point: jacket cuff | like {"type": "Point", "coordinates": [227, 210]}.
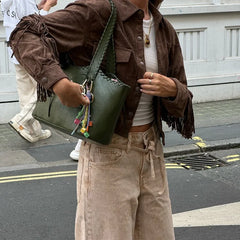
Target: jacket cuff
{"type": "Point", "coordinates": [43, 12]}
{"type": "Point", "coordinates": [50, 75]}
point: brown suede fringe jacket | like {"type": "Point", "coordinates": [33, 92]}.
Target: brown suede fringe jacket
{"type": "Point", "coordinates": [37, 42]}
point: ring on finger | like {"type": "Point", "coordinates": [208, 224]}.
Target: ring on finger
{"type": "Point", "coordinates": [150, 81]}
{"type": "Point", "coordinates": [151, 76]}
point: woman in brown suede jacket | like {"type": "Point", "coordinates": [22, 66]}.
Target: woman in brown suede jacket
{"type": "Point", "coordinates": [122, 188]}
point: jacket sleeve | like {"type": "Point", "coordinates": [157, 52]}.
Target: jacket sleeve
{"type": "Point", "coordinates": [178, 111]}
{"type": "Point", "coordinates": [37, 40]}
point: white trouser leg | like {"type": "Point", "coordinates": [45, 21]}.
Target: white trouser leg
{"type": "Point", "coordinates": [27, 91]}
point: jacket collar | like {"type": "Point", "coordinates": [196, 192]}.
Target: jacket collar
{"type": "Point", "coordinates": [129, 9]}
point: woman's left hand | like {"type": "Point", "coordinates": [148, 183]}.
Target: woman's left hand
{"type": "Point", "coordinates": [158, 85]}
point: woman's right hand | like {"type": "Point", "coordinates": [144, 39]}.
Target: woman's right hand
{"type": "Point", "coordinates": [70, 93]}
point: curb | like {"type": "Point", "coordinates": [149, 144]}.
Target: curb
{"type": "Point", "coordinates": [181, 150]}
{"type": "Point", "coordinates": [195, 148]}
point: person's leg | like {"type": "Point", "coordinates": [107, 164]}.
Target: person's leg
{"type": "Point", "coordinates": [27, 96]}
{"type": "Point", "coordinates": [154, 214]}
{"type": "Point", "coordinates": [23, 122]}
{"type": "Point", "coordinates": [76, 151]}
{"type": "Point", "coordinates": [107, 192]}
{"type": "Point", "coordinates": [26, 87]}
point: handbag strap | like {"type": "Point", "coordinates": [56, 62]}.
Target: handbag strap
{"type": "Point", "coordinates": [111, 57]}
{"type": "Point", "coordinates": [103, 45]}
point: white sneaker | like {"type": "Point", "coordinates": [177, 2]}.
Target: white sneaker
{"type": "Point", "coordinates": [32, 139]}
{"type": "Point", "coordinates": [74, 155]}
{"type": "Point", "coordinates": [26, 134]}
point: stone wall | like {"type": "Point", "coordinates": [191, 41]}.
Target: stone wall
{"type": "Point", "coordinates": [209, 33]}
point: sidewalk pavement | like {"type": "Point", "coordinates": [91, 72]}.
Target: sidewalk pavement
{"type": "Point", "coordinates": [217, 127]}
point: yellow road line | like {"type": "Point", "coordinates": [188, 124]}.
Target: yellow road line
{"type": "Point", "coordinates": [174, 167]}
{"type": "Point", "coordinates": [49, 175]}
{"type": "Point", "coordinates": [232, 158]}
{"type": "Point", "coordinates": [38, 174]}
{"type": "Point", "coordinates": [199, 142]}
{"type": "Point", "coordinates": [37, 178]}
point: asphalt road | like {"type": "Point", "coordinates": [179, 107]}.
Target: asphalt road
{"type": "Point", "coordinates": [40, 203]}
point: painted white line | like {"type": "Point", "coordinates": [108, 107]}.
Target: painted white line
{"type": "Point", "coordinates": [227, 214]}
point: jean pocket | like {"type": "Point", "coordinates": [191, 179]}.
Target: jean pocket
{"type": "Point", "coordinates": [104, 155]}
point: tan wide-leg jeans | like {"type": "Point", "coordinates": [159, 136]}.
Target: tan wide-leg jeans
{"type": "Point", "coordinates": [122, 190]}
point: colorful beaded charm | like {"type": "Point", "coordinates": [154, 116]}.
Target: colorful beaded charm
{"type": "Point", "coordinates": [82, 120]}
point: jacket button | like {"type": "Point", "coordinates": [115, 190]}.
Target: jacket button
{"type": "Point", "coordinates": [140, 14]}
{"type": "Point", "coordinates": [139, 38]}
{"type": "Point", "coordinates": [142, 63]}
{"type": "Point", "coordinates": [137, 89]}
{"type": "Point", "coordinates": [44, 80]}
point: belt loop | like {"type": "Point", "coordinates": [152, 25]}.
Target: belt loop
{"type": "Point", "coordinates": [129, 143]}
{"type": "Point", "coordinates": [150, 146]}
{"type": "Point", "coordinates": [152, 166]}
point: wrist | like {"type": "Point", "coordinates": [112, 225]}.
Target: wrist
{"type": "Point", "coordinates": [60, 85]}
{"type": "Point", "coordinates": [46, 7]}
{"type": "Point", "coordinates": [173, 91]}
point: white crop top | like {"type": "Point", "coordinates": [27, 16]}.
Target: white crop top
{"type": "Point", "coordinates": [144, 113]}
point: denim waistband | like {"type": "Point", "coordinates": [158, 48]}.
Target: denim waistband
{"type": "Point", "coordinates": [144, 142]}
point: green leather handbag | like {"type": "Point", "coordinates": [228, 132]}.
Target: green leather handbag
{"type": "Point", "coordinates": [96, 122]}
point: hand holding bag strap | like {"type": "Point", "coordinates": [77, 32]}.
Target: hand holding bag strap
{"type": "Point", "coordinates": [103, 45]}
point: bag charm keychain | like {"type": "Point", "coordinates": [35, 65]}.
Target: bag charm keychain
{"type": "Point", "coordinates": [82, 120]}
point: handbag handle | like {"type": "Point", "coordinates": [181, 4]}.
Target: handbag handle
{"type": "Point", "coordinates": [111, 57]}
{"type": "Point", "coordinates": [103, 44]}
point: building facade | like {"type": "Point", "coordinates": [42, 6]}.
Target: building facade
{"type": "Point", "coordinates": [209, 33]}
